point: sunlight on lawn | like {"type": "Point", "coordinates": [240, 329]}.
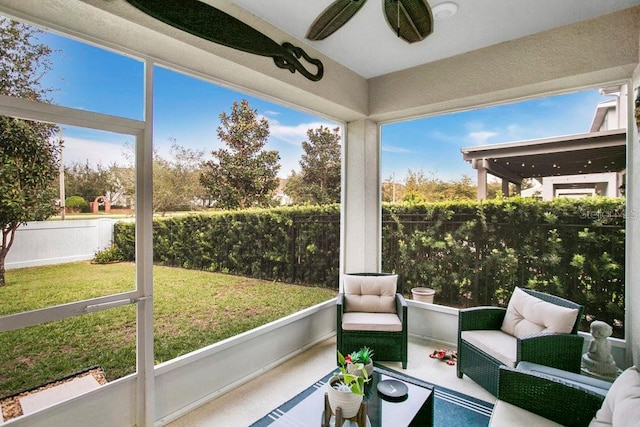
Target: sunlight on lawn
{"type": "Point", "coordinates": [192, 309]}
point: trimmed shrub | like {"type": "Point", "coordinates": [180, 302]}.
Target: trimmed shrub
{"type": "Point", "coordinates": [107, 256]}
{"type": "Point", "coordinates": [476, 253]}
{"type": "Point", "coordinates": [288, 244]}
{"type": "Point", "coordinates": [76, 203]}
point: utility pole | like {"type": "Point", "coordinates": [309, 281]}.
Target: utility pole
{"type": "Point", "coordinates": [61, 177]}
{"type": "Point", "coordinates": [393, 183]}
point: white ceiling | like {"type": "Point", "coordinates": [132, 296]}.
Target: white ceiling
{"type": "Point", "coordinates": [369, 47]}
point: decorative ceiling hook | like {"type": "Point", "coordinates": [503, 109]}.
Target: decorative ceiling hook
{"type": "Point", "coordinates": [210, 23]}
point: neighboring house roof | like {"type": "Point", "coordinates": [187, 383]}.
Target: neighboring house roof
{"type": "Point", "coordinates": [601, 150]}
{"type": "Point", "coordinates": [604, 108]}
{"type": "Point", "coordinates": [593, 152]}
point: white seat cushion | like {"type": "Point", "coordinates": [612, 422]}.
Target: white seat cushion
{"type": "Point", "coordinates": [371, 322]}
{"type": "Point", "coordinates": [495, 343]}
{"type": "Point", "coordinates": [621, 407]}
{"type": "Point", "coordinates": [507, 415]}
{"type": "Point", "coordinates": [372, 294]}
{"type": "Point", "coordinates": [528, 315]}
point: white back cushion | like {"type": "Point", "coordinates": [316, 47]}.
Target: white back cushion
{"type": "Point", "coordinates": [528, 315]}
{"type": "Point", "coordinates": [371, 294]}
{"type": "Point", "coordinates": [621, 407]}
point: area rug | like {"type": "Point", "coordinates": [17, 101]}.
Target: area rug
{"type": "Point", "coordinates": [451, 409]}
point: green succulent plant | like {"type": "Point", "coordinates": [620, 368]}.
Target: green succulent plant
{"type": "Point", "coordinates": [364, 356]}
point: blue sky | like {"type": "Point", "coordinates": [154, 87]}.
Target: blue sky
{"type": "Point", "coordinates": [187, 110]}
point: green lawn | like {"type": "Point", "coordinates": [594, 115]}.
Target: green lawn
{"type": "Point", "coordinates": [192, 309]}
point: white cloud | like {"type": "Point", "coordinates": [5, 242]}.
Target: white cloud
{"type": "Point", "coordinates": [481, 137]}
{"type": "Point", "coordinates": [294, 134]}
{"type": "Point", "coordinates": [514, 128]}
{"type": "Point", "coordinates": [79, 150]}
{"type": "Point", "coordinates": [394, 149]}
{"type": "Point", "coordinates": [444, 137]}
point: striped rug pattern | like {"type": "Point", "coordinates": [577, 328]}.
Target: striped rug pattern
{"type": "Point", "coordinates": [451, 409]}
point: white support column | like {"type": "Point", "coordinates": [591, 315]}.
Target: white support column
{"type": "Point", "coordinates": [361, 198]}
{"type": "Point", "coordinates": [144, 260]}
{"type": "Point", "coordinates": [482, 181]}
{"type": "Point", "coordinates": [632, 248]}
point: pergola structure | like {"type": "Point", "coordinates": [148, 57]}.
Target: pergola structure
{"type": "Point", "coordinates": [489, 52]}
{"type": "Point", "coordinates": [594, 152]}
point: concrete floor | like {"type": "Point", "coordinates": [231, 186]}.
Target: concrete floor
{"type": "Point", "coordinates": [251, 401]}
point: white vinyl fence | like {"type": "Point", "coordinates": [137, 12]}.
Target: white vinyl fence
{"type": "Point", "coordinates": [57, 242]}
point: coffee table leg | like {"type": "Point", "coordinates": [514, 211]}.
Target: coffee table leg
{"type": "Point", "coordinates": [326, 415]}
{"type": "Point", "coordinates": [362, 415]}
{"type": "Point", "coordinates": [339, 419]}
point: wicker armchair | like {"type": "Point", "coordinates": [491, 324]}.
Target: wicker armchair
{"type": "Point", "coordinates": [555, 399]}
{"type": "Point", "coordinates": [481, 363]}
{"type": "Point", "coordinates": [383, 328]}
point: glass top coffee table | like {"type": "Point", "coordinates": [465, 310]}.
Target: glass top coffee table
{"type": "Point", "coordinates": [416, 409]}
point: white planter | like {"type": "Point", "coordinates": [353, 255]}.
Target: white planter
{"type": "Point", "coordinates": [349, 402]}
{"type": "Point", "coordinates": [368, 367]}
{"type": "Point", "coordinates": [423, 294]}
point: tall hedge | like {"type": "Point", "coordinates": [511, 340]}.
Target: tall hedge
{"type": "Point", "coordinates": [476, 253]}
{"type": "Point", "coordinates": [289, 244]}
{"type": "Point", "coordinates": [471, 253]}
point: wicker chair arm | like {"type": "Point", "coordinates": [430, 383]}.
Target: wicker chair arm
{"type": "Point", "coordinates": [480, 318]}
{"type": "Point", "coordinates": [547, 396]}
{"type": "Point", "coordinates": [562, 351]}
{"type": "Point", "coordinates": [339, 313]}
{"type": "Point", "coordinates": [340, 301]}
{"type": "Point", "coordinates": [401, 308]}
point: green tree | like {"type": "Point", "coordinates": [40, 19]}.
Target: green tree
{"type": "Point", "coordinates": [319, 179]}
{"type": "Point", "coordinates": [85, 181]}
{"type": "Point", "coordinates": [463, 189]}
{"type": "Point", "coordinates": [243, 174]}
{"type": "Point", "coordinates": [419, 187]}
{"type": "Point", "coordinates": [176, 183]}
{"type": "Point", "coordinates": [29, 156]}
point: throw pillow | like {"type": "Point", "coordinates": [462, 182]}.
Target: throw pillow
{"type": "Point", "coordinates": [528, 315]}
{"type": "Point", "coordinates": [370, 294]}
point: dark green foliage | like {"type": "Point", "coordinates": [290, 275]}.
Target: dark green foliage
{"type": "Point", "coordinates": [243, 174]}
{"type": "Point", "coordinates": [29, 156]}
{"type": "Point", "coordinates": [476, 253]}
{"type": "Point", "coordinates": [471, 253]}
{"type": "Point", "coordinates": [289, 244]}
{"type": "Point", "coordinates": [319, 180]}
{"type": "Point", "coordinates": [28, 167]}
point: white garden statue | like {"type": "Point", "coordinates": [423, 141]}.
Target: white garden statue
{"type": "Point", "coordinates": [598, 361]}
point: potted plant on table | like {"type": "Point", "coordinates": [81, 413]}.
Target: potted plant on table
{"type": "Point", "coordinates": [364, 356]}
{"type": "Point", "coordinates": [346, 389]}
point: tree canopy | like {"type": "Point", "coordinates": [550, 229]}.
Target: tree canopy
{"type": "Point", "coordinates": [319, 179]}
{"type": "Point", "coordinates": [176, 184]}
{"type": "Point", "coordinates": [419, 187]}
{"type": "Point", "coordinates": [29, 156]}
{"type": "Point", "coordinates": [85, 181]}
{"type": "Point", "coordinates": [243, 174]}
